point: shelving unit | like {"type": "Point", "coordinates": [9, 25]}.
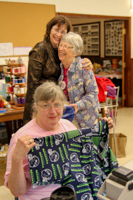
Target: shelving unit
{"type": "Point", "coordinates": [113, 38]}
{"type": "Point", "coordinates": [90, 34]}
{"type": "Point", "coordinates": [16, 83]}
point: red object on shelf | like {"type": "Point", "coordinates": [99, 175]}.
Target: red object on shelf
{"type": "Point", "coordinates": [115, 63]}
{"type": "Point", "coordinates": [1, 104]}
{"type": "Point", "coordinates": [102, 86]}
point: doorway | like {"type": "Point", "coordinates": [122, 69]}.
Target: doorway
{"type": "Point", "coordinates": [126, 51]}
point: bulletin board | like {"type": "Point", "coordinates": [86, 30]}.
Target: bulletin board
{"type": "Point", "coordinates": [90, 33]}
{"type": "Point", "coordinates": [24, 24]}
{"type": "Point", "coordinates": [113, 38]}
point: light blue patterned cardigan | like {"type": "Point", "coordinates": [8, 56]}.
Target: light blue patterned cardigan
{"type": "Point", "coordinates": [82, 90]}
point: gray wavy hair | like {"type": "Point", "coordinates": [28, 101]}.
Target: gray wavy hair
{"type": "Point", "coordinates": [75, 40]}
{"type": "Point", "coordinates": [47, 91]}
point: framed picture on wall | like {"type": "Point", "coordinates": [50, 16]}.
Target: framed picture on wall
{"type": "Point", "coordinates": [113, 38]}
{"type": "Point", "coordinates": [90, 34]}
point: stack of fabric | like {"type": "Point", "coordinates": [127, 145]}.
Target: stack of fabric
{"type": "Point", "coordinates": [106, 88]}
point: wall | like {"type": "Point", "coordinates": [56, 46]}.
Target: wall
{"type": "Point", "coordinates": [95, 7]}
{"type": "Point", "coordinates": [26, 23]}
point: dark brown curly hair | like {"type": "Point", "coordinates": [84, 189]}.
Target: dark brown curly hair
{"type": "Point", "coordinates": [59, 20]}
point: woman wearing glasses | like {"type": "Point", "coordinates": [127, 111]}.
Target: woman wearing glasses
{"type": "Point", "coordinates": [79, 85]}
{"type": "Point", "coordinates": [48, 110]}
{"type": "Point", "coordinates": [44, 63]}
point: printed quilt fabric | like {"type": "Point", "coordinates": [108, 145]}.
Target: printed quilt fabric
{"type": "Point", "coordinates": [80, 159]}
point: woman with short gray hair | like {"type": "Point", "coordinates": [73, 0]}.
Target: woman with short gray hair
{"type": "Point", "coordinates": [47, 92]}
{"type": "Point", "coordinates": [48, 110]}
{"type": "Point", "coordinates": [79, 85]}
{"type": "Point", "coordinates": [48, 105]}
{"type": "Point", "coordinates": [75, 40]}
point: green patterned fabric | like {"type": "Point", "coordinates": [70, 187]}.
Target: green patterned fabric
{"type": "Point", "coordinates": [80, 159]}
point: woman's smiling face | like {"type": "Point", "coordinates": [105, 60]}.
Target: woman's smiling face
{"type": "Point", "coordinates": [56, 34]}
{"type": "Point", "coordinates": [49, 113]}
{"type": "Point", "coordinates": [65, 52]}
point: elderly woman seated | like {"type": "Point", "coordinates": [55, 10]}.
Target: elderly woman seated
{"type": "Point", "coordinates": [48, 110]}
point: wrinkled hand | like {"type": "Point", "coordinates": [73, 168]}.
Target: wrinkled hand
{"type": "Point", "coordinates": [87, 64]}
{"type": "Point", "coordinates": [109, 120]}
{"type": "Point", "coordinates": [23, 146]}
{"type": "Point", "coordinates": [75, 107]}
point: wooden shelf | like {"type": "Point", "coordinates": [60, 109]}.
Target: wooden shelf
{"type": "Point", "coordinates": [15, 74]}
{"type": "Point", "coordinates": [15, 64]}
{"type": "Point", "coordinates": [11, 102]}
{"type": "Point", "coordinates": [18, 107]}
{"type": "Point", "coordinates": [18, 74]}
{"type": "Point", "coordinates": [8, 73]}
{"type": "Point", "coordinates": [20, 84]}
{"type": "Point", "coordinates": [118, 76]}
{"type": "Point", "coordinates": [10, 92]}
{"type": "Point", "coordinates": [20, 95]}
{"type": "Point", "coordinates": [8, 83]}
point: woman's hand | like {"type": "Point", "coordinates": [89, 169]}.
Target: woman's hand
{"type": "Point", "coordinates": [75, 107]}
{"type": "Point", "coordinates": [109, 120]}
{"type": "Point", "coordinates": [23, 146]}
{"type": "Point", "coordinates": [87, 64]}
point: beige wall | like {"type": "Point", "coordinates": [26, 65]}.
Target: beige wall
{"type": "Point", "coordinates": [95, 7]}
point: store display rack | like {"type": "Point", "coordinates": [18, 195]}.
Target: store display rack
{"type": "Point", "coordinates": [15, 83]}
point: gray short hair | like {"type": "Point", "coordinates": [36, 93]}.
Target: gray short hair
{"type": "Point", "coordinates": [48, 91]}
{"type": "Point", "coordinates": [75, 40]}
{"type": "Point", "coordinates": [45, 92]}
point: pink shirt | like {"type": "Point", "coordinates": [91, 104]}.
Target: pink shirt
{"type": "Point", "coordinates": [65, 80]}
{"type": "Point", "coordinates": [35, 131]}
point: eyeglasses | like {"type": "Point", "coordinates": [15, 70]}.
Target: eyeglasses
{"type": "Point", "coordinates": [47, 107]}
{"type": "Point", "coordinates": [65, 46]}
{"type": "Point", "coordinates": [60, 32]}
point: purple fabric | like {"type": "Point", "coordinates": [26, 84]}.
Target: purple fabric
{"type": "Point", "coordinates": [111, 91]}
